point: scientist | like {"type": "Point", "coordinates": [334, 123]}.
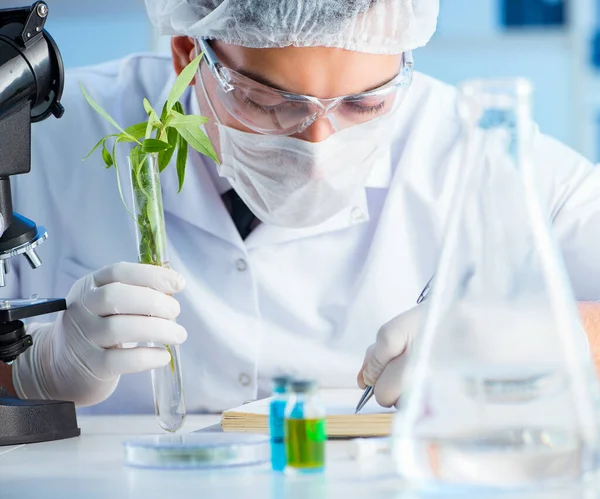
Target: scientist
{"type": "Point", "coordinates": [313, 231]}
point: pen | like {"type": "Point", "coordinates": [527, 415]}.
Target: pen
{"type": "Point", "coordinates": [425, 293]}
{"type": "Point", "coordinates": [369, 390]}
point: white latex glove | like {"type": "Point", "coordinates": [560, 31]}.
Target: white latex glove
{"type": "Point", "coordinates": [78, 358]}
{"type": "Point", "coordinates": [385, 360]}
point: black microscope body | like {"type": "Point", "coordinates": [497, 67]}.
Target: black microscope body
{"type": "Point", "coordinates": [31, 86]}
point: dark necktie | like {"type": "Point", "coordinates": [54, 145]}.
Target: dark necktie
{"type": "Point", "coordinates": [244, 220]}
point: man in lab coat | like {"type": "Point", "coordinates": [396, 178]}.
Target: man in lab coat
{"type": "Point", "coordinates": [313, 231]}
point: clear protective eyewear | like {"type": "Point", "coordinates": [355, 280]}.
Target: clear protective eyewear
{"type": "Point", "coordinates": [269, 111]}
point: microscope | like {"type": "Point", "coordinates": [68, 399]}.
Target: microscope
{"type": "Point", "coordinates": [31, 86]}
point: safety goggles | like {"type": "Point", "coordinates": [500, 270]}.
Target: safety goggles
{"type": "Point", "coordinates": [274, 112]}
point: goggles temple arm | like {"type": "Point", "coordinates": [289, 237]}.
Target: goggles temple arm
{"type": "Point", "coordinates": [407, 59]}
{"type": "Point", "coordinates": [213, 63]}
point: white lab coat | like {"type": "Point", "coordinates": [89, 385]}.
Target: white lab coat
{"type": "Point", "coordinates": [303, 302]}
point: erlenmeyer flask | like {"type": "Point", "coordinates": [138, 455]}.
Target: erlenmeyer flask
{"type": "Point", "coordinates": [500, 387]}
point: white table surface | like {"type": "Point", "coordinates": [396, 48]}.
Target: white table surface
{"type": "Point", "coordinates": [92, 466]}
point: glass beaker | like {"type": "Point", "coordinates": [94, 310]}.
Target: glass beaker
{"type": "Point", "coordinates": [500, 386]}
{"type": "Point", "coordinates": [151, 235]}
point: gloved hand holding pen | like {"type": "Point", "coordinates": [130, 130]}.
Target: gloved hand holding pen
{"type": "Point", "coordinates": [78, 357]}
{"type": "Point", "coordinates": [385, 360]}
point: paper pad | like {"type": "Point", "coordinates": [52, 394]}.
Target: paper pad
{"type": "Point", "coordinates": [372, 421]}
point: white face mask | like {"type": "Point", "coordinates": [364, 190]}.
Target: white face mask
{"type": "Point", "coordinates": [295, 183]}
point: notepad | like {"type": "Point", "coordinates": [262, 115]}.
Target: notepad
{"type": "Point", "coordinates": [372, 421]}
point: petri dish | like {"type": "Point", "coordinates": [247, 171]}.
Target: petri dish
{"type": "Point", "coordinates": [197, 451]}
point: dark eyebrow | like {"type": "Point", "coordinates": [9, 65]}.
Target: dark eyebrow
{"type": "Point", "coordinates": [261, 79]}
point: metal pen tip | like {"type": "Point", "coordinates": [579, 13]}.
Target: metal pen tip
{"type": "Point", "coordinates": [366, 396]}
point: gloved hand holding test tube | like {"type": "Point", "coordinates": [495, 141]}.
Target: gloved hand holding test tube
{"type": "Point", "coordinates": [174, 132]}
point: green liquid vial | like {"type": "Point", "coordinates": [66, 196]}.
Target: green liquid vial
{"type": "Point", "coordinates": [305, 429]}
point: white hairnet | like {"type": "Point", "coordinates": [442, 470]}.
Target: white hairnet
{"type": "Point", "coordinates": [372, 26]}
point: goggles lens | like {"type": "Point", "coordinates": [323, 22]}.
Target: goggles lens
{"type": "Point", "coordinates": [274, 112]}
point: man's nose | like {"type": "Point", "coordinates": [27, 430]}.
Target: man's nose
{"type": "Point", "coordinates": [319, 131]}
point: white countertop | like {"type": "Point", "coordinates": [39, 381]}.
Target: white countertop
{"type": "Point", "coordinates": [92, 466]}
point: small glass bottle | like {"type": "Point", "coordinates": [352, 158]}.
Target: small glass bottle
{"type": "Point", "coordinates": [277, 422]}
{"type": "Point", "coordinates": [151, 235]}
{"type": "Point", "coordinates": [305, 429]}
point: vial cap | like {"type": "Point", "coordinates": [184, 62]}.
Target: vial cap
{"type": "Point", "coordinates": [304, 386]}
{"type": "Point", "coordinates": [281, 384]}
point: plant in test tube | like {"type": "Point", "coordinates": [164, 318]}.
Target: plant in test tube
{"type": "Point", "coordinates": [153, 143]}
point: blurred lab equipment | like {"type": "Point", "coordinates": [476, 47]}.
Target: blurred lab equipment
{"type": "Point", "coordinates": [501, 391]}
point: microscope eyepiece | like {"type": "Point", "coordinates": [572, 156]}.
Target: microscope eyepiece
{"type": "Point", "coordinates": [31, 67]}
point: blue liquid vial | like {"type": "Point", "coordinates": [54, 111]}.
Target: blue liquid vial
{"type": "Point", "coordinates": [277, 422]}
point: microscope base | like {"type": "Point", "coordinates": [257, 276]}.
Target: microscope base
{"type": "Point", "coordinates": [31, 421]}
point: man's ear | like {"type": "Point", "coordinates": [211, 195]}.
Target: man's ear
{"type": "Point", "coordinates": [183, 50]}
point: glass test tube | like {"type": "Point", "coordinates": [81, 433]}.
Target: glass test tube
{"type": "Point", "coordinates": [151, 234]}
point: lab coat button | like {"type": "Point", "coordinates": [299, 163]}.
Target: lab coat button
{"type": "Point", "coordinates": [244, 379]}
{"type": "Point", "coordinates": [241, 265]}
{"type": "Point", "coordinates": [357, 214]}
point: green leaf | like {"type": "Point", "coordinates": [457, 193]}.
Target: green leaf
{"type": "Point", "coordinates": [164, 157]}
{"type": "Point", "coordinates": [187, 120]}
{"type": "Point", "coordinates": [164, 113]}
{"type": "Point", "coordinates": [146, 257]}
{"type": "Point", "coordinates": [182, 154]}
{"type": "Point", "coordinates": [183, 81]}
{"type": "Point", "coordinates": [137, 131]}
{"type": "Point", "coordinates": [196, 138]}
{"type": "Point", "coordinates": [178, 108]}
{"type": "Point", "coordinates": [100, 143]}
{"type": "Point", "coordinates": [101, 111]}
{"type": "Point", "coordinates": [154, 145]}
{"type": "Point", "coordinates": [133, 158]}
{"type": "Point", "coordinates": [114, 152]}
{"type": "Point", "coordinates": [137, 158]}
{"type": "Point", "coordinates": [153, 217]}
{"type": "Point", "coordinates": [167, 120]}
{"type": "Point", "coordinates": [148, 107]}
{"type": "Point", "coordinates": [149, 128]}
{"type": "Point", "coordinates": [153, 121]}
{"type": "Point", "coordinates": [108, 160]}
{"type": "Point", "coordinates": [128, 138]}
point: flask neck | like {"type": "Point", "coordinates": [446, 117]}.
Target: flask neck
{"type": "Point", "coordinates": [496, 116]}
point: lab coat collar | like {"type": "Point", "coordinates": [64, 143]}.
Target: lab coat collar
{"type": "Point", "coordinates": [200, 203]}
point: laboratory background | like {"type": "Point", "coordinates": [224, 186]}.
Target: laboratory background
{"type": "Point", "coordinates": [554, 43]}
